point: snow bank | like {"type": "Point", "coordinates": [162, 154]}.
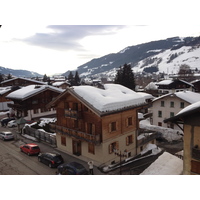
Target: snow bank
{"type": "Point", "coordinates": [166, 164]}
{"type": "Point", "coordinates": [167, 133]}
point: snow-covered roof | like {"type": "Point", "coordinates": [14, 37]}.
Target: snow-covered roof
{"type": "Point", "coordinates": [146, 95]}
{"type": "Point", "coordinates": [113, 97]}
{"type": "Point", "coordinates": [189, 108]}
{"type": "Point", "coordinates": [30, 90]}
{"type": "Point", "coordinates": [58, 83]}
{"type": "Point", "coordinates": [165, 82]}
{"type": "Point", "coordinates": [26, 79]}
{"type": "Point", "coordinates": [3, 90]}
{"type": "Point", "coordinates": [151, 86]}
{"type": "Point", "coordinates": [188, 96]}
{"type": "Point", "coordinates": [166, 164]}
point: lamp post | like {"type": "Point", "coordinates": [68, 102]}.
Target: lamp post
{"type": "Point", "coordinates": [120, 154]}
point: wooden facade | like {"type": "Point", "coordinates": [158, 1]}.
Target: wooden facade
{"type": "Point", "coordinates": [34, 106]}
{"type": "Point", "coordinates": [83, 131]}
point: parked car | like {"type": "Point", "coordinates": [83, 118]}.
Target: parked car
{"type": "Point", "coordinates": [12, 124]}
{"type": "Point", "coordinates": [6, 135]}
{"type": "Point", "coordinates": [50, 159]}
{"type": "Point", "coordinates": [5, 121]}
{"type": "Point", "coordinates": [30, 149]}
{"type": "Point", "coordinates": [73, 168]}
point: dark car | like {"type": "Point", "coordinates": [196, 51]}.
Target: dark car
{"type": "Point", "coordinates": [5, 121]}
{"type": "Point", "coordinates": [50, 159]}
{"type": "Point", "coordinates": [72, 168]}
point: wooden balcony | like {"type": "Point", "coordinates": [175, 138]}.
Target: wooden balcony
{"type": "Point", "coordinates": [95, 139]}
{"type": "Point", "coordinates": [196, 153]}
{"type": "Point", "coordinates": [73, 114]}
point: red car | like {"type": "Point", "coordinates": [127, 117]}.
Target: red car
{"type": "Point", "coordinates": [30, 149]}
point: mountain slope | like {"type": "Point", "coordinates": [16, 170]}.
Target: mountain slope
{"type": "Point", "coordinates": [163, 55]}
{"type": "Point", "coordinates": [19, 73]}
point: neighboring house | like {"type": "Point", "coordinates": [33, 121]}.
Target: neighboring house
{"type": "Point", "coordinates": [20, 82]}
{"type": "Point", "coordinates": [61, 84]}
{"type": "Point", "coordinates": [196, 84]}
{"type": "Point", "coordinates": [94, 123]}
{"type": "Point", "coordinates": [189, 117]}
{"type": "Point", "coordinates": [4, 91]}
{"type": "Point", "coordinates": [169, 86]}
{"type": "Point", "coordinates": [169, 105]}
{"type": "Point", "coordinates": [30, 101]}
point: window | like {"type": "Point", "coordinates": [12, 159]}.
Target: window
{"type": "Point", "coordinates": [35, 111]}
{"type": "Point", "coordinates": [63, 140]}
{"type": "Point", "coordinates": [75, 123]}
{"type": "Point", "coordinates": [75, 106]}
{"type": "Point", "coordinates": [159, 123]}
{"type": "Point", "coordinates": [171, 114]}
{"type": "Point", "coordinates": [159, 113]}
{"type": "Point", "coordinates": [91, 128]}
{"type": "Point", "coordinates": [35, 102]}
{"type": "Point", "coordinates": [129, 140]}
{"type": "Point", "coordinates": [112, 146]}
{"type": "Point", "coordinates": [182, 105]}
{"type": "Point", "coordinates": [129, 121]}
{"type": "Point", "coordinates": [112, 126]}
{"type": "Point", "coordinates": [91, 148]}
{"type": "Point", "coordinates": [172, 104]}
{"type": "Point", "coordinates": [162, 104]}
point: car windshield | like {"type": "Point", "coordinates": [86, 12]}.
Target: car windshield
{"type": "Point", "coordinates": [35, 147]}
{"type": "Point", "coordinates": [8, 134]}
{"type": "Point", "coordinates": [57, 158]}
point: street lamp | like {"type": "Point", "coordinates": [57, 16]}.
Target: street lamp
{"type": "Point", "coordinates": [120, 154]}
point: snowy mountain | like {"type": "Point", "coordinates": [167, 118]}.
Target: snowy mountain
{"type": "Point", "coordinates": [157, 56]}
{"type": "Point", "coordinates": [19, 73]}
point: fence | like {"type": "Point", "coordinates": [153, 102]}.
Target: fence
{"type": "Point", "coordinates": [41, 135]}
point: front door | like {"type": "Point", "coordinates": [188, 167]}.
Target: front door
{"type": "Point", "coordinates": [76, 147]}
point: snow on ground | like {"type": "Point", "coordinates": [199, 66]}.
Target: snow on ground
{"type": "Point", "coordinates": [167, 133]}
{"type": "Point", "coordinates": [166, 164]}
{"type": "Point", "coordinates": [113, 97]}
{"type": "Point", "coordinates": [44, 121]}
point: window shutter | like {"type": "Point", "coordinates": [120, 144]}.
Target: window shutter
{"type": "Point", "coordinates": [127, 141]}
{"type": "Point", "coordinates": [126, 122]}
{"type": "Point", "coordinates": [93, 128]}
{"type": "Point", "coordinates": [110, 148]}
{"type": "Point", "coordinates": [109, 128]}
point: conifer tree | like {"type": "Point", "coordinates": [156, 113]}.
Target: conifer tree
{"type": "Point", "coordinates": [125, 77]}
{"type": "Point", "coordinates": [71, 78]}
{"type": "Point", "coordinates": [77, 79]}
{"type": "Point", "coordinates": [45, 78]}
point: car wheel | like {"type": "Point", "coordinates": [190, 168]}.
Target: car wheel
{"type": "Point", "coordinates": [50, 165]}
{"type": "Point", "coordinates": [3, 138]}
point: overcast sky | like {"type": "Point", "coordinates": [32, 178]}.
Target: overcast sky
{"type": "Point", "coordinates": [49, 49]}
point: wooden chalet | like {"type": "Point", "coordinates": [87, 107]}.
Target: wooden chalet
{"type": "Point", "coordinates": [20, 82]}
{"type": "Point", "coordinates": [4, 91]}
{"type": "Point", "coordinates": [94, 123]}
{"type": "Point", "coordinates": [177, 85]}
{"type": "Point", "coordinates": [30, 101]}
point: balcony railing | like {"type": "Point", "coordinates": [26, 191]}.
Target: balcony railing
{"type": "Point", "coordinates": [73, 114]}
{"type": "Point", "coordinates": [95, 139]}
{"type": "Point", "coordinates": [196, 153]}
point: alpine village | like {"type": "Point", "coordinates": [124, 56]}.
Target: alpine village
{"type": "Point", "coordinates": [137, 117]}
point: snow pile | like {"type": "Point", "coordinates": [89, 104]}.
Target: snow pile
{"type": "Point", "coordinates": [166, 164]}
{"type": "Point", "coordinates": [153, 147]}
{"type": "Point", "coordinates": [167, 133]}
{"type": "Point", "coordinates": [151, 86]}
{"type": "Point", "coordinates": [113, 97]}
{"type": "Point", "coordinates": [44, 121]}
